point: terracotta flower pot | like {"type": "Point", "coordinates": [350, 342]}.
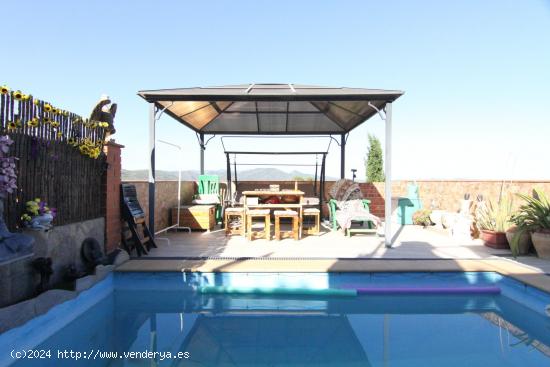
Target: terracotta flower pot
{"type": "Point", "coordinates": [541, 241]}
{"type": "Point", "coordinates": [524, 244]}
{"type": "Point", "coordinates": [494, 239]}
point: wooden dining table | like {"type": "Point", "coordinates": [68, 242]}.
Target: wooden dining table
{"type": "Point", "coordinates": [282, 206]}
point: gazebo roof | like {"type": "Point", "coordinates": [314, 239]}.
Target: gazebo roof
{"type": "Point", "coordinates": [284, 109]}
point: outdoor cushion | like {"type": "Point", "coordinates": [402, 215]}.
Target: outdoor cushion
{"type": "Point", "coordinates": [234, 210]}
{"type": "Point", "coordinates": [206, 199]}
{"type": "Point", "coordinates": [286, 213]}
{"type": "Point", "coordinates": [311, 211]}
{"type": "Point", "coordinates": [258, 212]}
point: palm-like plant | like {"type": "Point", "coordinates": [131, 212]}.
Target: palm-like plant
{"type": "Point", "coordinates": [495, 217]}
{"type": "Point", "coordinates": [532, 216]}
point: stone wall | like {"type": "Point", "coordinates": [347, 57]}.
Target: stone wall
{"type": "Point", "coordinates": [62, 243]}
{"type": "Point", "coordinates": [165, 198]}
{"type": "Point", "coordinates": [444, 195]}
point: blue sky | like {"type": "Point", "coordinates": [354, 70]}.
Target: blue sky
{"type": "Point", "coordinates": [476, 74]}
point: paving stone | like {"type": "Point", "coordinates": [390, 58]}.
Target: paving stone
{"type": "Point", "coordinates": [121, 258]}
{"type": "Point", "coordinates": [48, 299]}
{"type": "Point", "coordinates": [85, 283]}
{"type": "Point", "coordinates": [16, 315]}
{"type": "Point", "coordinates": [101, 271]}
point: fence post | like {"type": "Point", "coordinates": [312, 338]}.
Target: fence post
{"type": "Point", "coordinates": [112, 177]}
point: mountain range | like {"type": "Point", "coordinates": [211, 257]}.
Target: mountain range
{"type": "Point", "coordinates": [255, 174]}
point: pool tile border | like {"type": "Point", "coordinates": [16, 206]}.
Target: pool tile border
{"type": "Point", "coordinates": [505, 267]}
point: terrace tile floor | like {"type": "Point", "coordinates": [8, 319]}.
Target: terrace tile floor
{"type": "Point", "coordinates": [415, 249]}
{"type": "Point", "coordinates": [410, 243]}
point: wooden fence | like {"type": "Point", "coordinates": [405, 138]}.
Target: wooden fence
{"type": "Point", "coordinates": [59, 159]}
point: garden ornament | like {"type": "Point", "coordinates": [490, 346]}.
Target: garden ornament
{"type": "Point", "coordinates": [105, 111]}
{"type": "Point", "coordinates": [43, 266]}
{"type": "Point", "coordinates": [41, 222]}
{"type": "Point", "coordinates": [91, 254]}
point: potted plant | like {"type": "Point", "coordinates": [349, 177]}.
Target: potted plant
{"type": "Point", "coordinates": [422, 218]}
{"type": "Point", "coordinates": [38, 215]}
{"type": "Point", "coordinates": [524, 238]}
{"type": "Point", "coordinates": [534, 217]}
{"type": "Point", "coordinates": [493, 220]}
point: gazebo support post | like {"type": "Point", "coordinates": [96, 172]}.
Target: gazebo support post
{"type": "Point", "coordinates": [201, 142]}
{"type": "Point", "coordinates": [152, 141]}
{"type": "Point", "coordinates": [387, 184]}
{"type": "Point", "coordinates": [230, 194]}
{"type": "Point", "coordinates": [343, 156]}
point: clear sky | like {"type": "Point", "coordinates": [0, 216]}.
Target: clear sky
{"type": "Point", "coordinates": [476, 74]}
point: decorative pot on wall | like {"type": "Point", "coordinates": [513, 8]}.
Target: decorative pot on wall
{"type": "Point", "coordinates": [524, 244]}
{"type": "Point", "coordinates": [541, 242]}
{"type": "Point", "coordinates": [494, 239]}
{"type": "Point", "coordinates": [41, 222]}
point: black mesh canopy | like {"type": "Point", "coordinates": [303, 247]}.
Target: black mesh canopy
{"type": "Point", "coordinates": [271, 108]}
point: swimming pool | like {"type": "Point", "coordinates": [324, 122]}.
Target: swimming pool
{"type": "Point", "coordinates": [153, 314]}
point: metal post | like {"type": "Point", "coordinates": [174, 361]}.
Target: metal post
{"type": "Point", "coordinates": [343, 156]}
{"type": "Point", "coordinates": [387, 186]}
{"type": "Point", "coordinates": [152, 141]}
{"type": "Point", "coordinates": [229, 190]}
{"type": "Point", "coordinates": [201, 142]}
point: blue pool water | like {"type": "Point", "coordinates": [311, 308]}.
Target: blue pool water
{"type": "Point", "coordinates": [160, 312]}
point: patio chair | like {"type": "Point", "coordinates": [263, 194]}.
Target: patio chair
{"type": "Point", "coordinates": [332, 205]}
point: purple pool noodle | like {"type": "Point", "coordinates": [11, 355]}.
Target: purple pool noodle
{"type": "Point", "coordinates": [429, 290]}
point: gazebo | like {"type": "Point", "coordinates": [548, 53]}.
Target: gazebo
{"type": "Point", "coordinates": [272, 109]}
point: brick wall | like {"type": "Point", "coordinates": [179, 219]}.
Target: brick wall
{"type": "Point", "coordinates": [111, 187]}
{"type": "Point", "coordinates": [442, 194]}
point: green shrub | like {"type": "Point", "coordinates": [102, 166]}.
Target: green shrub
{"type": "Point", "coordinates": [422, 217]}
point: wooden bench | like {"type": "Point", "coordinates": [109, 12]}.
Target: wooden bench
{"type": "Point", "coordinates": [316, 214]}
{"type": "Point", "coordinates": [238, 227]}
{"type": "Point", "coordinates": [258, 213]}
{"type": "Point", "coordinates": [295, 232]}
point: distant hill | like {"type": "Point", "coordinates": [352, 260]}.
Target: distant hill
{"type": "Point", "coordinates": [256, 174]}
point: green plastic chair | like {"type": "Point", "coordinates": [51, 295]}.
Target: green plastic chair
{"type": "Point", "coordinates": [210, 185]}
{"type": "Point", "coordinates": [332, 211]}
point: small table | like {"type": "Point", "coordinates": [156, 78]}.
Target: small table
{"type": "Point", "coordinates": [196, 216]}
{"type": "Point", "coordinates": [282, 193]}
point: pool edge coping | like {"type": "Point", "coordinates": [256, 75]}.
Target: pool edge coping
{"type": "Point", "coordinates": [506, 267]}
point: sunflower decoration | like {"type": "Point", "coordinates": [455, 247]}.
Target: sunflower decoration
{"type": "Point", "coordinates": [36, 102]}
{"type": "Point", "coordinates": [26, 217]}
{"type": "Point", "coordinates": [12, 125]}
{"type": "Point", "coordinates": [94, 153]}
{"type": "Point", "coordinates": [59, 134]}
{"type": "Point", "coordinates": [33, 122]}
{"type": "Point", "coordinates": [54, 124]}
{"type": "Point", "coordinates": [48, 107]}
{"type": "Point", "coordinates": [18, 95]}
{"type": "Point", "coordinates": [103, 124]}
{"type": "Point", "coordinates": [84, 149]}
{"type": "Point", "coordinates": [77, 121]}
{"type": "Point", "coordinates": [55, 111]}
{"type": "Point", "coordinates": [26, 97]}
{"type": "Point", "coordinates": [4, 89]}
{"type": "Point", "coordinates": [72, 142]}
{"type": "Point", "coordinates": [47, 120]}
{"type": "Point", "coordinates": [93, 125]}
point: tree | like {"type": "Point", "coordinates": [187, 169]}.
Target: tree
{"type": "Point", "coordinates": [374, 164]}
